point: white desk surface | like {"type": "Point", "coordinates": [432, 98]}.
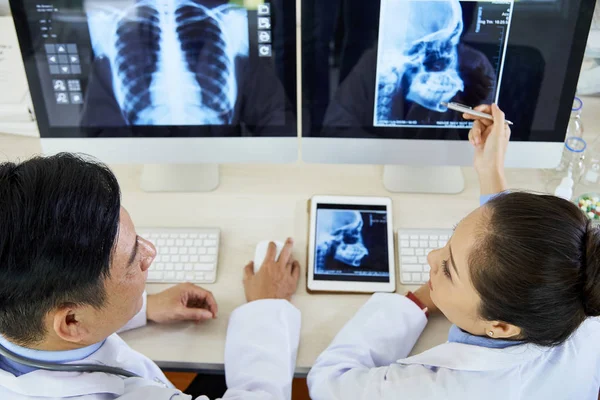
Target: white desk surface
{"type": "Point", "coordinates": [256, 202]}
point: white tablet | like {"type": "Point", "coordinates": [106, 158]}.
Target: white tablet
{"type": "Point", "coordinates": [351, 245]}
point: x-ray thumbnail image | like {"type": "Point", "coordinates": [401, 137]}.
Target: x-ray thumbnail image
{"type": "Point", "coordinates": [170, 62]}
{"type": "Point", "coordinates": [350, 241]}
{"type": "Point", "coordinates": [423, 61]}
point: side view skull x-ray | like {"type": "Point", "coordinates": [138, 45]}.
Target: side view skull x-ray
{"type": "Point", "coordinates": [339, 238]}
{"type": "Point", "coordinates": [419, 59]}
{"type": "Point", "coordinates": [172, 62]}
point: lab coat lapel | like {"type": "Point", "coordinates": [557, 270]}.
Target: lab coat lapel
{"type": "Point", "coordinates": [465, 357]}
{"type": "Point", "coordinates": [61, 384]}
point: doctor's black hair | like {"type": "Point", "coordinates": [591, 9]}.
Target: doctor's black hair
{"type": "Point", "coordinates": [59, 218]}
{"type": "Point", "coordinates": [536, 265]}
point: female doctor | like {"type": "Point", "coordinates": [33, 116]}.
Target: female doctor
{"type": "Point", "coordinates": [519, 278]}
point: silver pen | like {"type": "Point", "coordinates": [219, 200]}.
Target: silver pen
{"type": "Point", "coordinates": [468, 110]}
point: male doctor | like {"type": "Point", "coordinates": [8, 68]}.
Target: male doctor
{"type": "Point", "coordinates": [72, 273]}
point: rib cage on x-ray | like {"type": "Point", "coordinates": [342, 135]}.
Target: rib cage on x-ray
{"type": "Point", "coordinates": [172, 61]}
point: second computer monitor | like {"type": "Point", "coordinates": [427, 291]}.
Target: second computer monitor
{"type": "Point", "coordinates": [163, 81]}
{"type": "Point", "coordinates": [375, 75]}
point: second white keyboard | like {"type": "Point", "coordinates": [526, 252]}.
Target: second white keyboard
{"type": "Point", "coordinates": [413, 247]}
{"type": "Point", "coordinates": [183, 254]}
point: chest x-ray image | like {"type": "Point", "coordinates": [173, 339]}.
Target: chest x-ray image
{"type": "Point", "coordinates": [421, 60]}
{"type": "Point", "coordinates": [170, 62]}
{"type": "Point", "coordinates": [351, 242]}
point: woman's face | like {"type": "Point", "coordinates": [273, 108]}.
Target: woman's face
{"type": "Point", "coordinates": [451, 288]}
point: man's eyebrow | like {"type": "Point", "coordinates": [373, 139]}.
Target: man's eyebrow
{"type": "Point", "coordinates": [133, 252]}
{"type": "Point", "coordinates": [452, 260]}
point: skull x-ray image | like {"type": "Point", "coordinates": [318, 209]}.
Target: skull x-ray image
{"type": "Point", "coordinates": [172, 62]}
{"type": "Point", "coordinates": [418, 58]}
{"type": "Point", "coordinates": [351, 242]}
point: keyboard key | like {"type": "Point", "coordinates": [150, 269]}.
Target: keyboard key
{"type": "Point", "coordinates": [173, 235]}
{"type": "Point", "coordinates": [406, 277]}
{"type": "Point", "coordinates": [169, 275]}
{"type": "Point", "coordinates": [189, 243]}
{"type": "Point", "coordinates": [202, 235]}
{"type": "Point", "coordinates": [416, 277]}
{"type": "Point", "coordinates": [209, 243]}
{"type": "Point", "coordinates": [155, 275]}
{"type": "Point", "coordinates": [428, 251]}
{"type": "Point", "coordinates": [164, 235]}
{"type": "Point", "coordinates": [201, 250]}
{"type": "Point", "coordinates": [169, 266]}
{"type": "Point", "coordinates": [409, 260]}
{"type": "Point", "coordinates": [166, 258]}
{"type": "Point", "coordinates": [193, 235]}
{"type": "Point", "coordinates": [179, 242]}
{"type": "Point", "coordinates": [176, 258]}
{"type": "Point", "coordinates": [404, 237]}
{"type": "Point", "coordinates": [423, 260]}
{"type": "Point", "coordinates": [180, 276]}
{"type": "Point", "coordinates": [209, 276]}
{"type": "Point", "coordinates": [420, 252]}
{"type": "Point", "coordinates": [423, 243]}
{"type": "Point", "coordinates": [433, 243]}
{"type": "Point", "coordinates": [183, 250]}
{"type": "Point", "coordinates": [173, 250]}
{"type": "Point", "coordinates": [407, 252]}
{"type": "Point", "coordinates": [198, 243]}
{"type": "Point", "coordinates": [424, 237]}
{"type": "Point", "coordinates": [414, 243]}
{"type": "Point", "coordinates": [213, 236]}
{"type": "Point", "coordinates": [193, 250]}
{"type": "Point", "coordinates": [444, 237]}
{"type": "Point", "coordinates": [159, 267]}
{"type": "Point", "coordinates": [212, 250]}
{"type": "Point", "coordinates": [433, 237]}
{"type": "Point", "coordinates": [179, 267]}
{"type": "Point", "coordinates": [426, 268]}
{"type": "Point", "coordinates": [414, 237]}
{"type": "Point", "coordinates": [424, 277]}
{"type": "Point", "coordinates": [185, 259]}
{"type": "Point", "coordinates": [199, 276]}
{"type": "Point", "coordinates": [170, 242]}
{"type": "Point", "coordinates": [442, 243]}
{"type": "Point", "coordinates": [194, 259]}
{"type": "Point", "coordinates": [207, 259]}
{"type": "Point", "coordinates": [203, 267]}
{"type": "Point", "coordinates": [184, 235]}
{"type": "Point", "coordinates": [412, 268]}
{"type": "Point", "coordinates": [189, 277]}
{"type": "Point", "coordinates": [404, 243]}
{"type": "Point", "coordinates": [161, 242]}
{"type": "Point", "coordinates": [188, 267]}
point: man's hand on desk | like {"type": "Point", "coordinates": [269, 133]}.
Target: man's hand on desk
{"type": "Point", "coordinates": [184, 302]}
{"type": "Point", "coordinates": [275, 279]}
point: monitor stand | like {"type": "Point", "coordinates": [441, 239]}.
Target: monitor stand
{"type": "Point", "coordinates": [409, 179]}
{"type": "Point", "coordinates": [180, 177]}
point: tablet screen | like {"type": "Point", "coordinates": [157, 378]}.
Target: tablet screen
{"type": "Point", "coordinates": [351, 243]}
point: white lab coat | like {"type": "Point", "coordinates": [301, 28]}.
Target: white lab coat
{"type": "Point", "coordinates": [367, 360]}
{"type": "Point", "coordinates": [260, 358]}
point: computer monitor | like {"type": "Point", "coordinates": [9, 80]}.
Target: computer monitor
{"type": "Point", "coordinates": [162, 81]}
{"type": "Point", "coordinates": [375, 75]}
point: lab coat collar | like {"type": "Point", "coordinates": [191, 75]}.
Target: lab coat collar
{"type": "Point", "coordinates": [465, 357]}
{"type": "Point", "coordinates": [42, 383]}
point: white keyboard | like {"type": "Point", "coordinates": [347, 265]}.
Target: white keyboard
{"type": "Point", "coordinates": [183, 254]}
{"type": "Point", "coordinates": [413, 247]}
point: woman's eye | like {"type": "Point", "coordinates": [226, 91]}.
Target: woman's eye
{"type": "Point", "coordinates": [446, 269]}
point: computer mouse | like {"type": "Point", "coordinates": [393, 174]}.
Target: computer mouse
{"type": "Point", "coordinates": [261, 253]}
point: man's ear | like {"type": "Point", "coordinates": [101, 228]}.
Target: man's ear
{"type": "Point", "coordinates": [69, 324]}
{"type": "Point", "coordinates": [502, 330]}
